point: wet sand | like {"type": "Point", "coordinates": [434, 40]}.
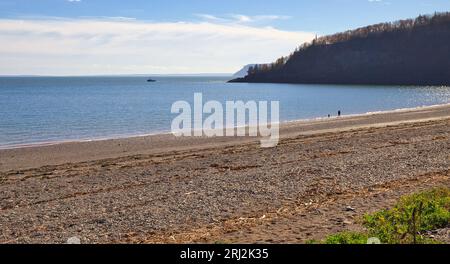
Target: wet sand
{"type": "Point", "coordinates": [162, 189]}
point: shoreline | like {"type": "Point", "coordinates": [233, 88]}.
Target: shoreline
{"type": "Point", "coordinates": [166, 190]}
{"type": "Point", "coordinates": [282, 123]}
{"type": "Point", "coordinates": [27, 157]}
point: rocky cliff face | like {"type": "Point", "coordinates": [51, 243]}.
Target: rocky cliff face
{"type": "Point", "coordinates": [243, 72]}
{"type": "Point", "coordinates": [407, 52]}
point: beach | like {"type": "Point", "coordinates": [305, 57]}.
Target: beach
{"type": "Point", "coordinates": [163, 189]}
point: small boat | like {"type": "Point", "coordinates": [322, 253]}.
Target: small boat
{"type": "Point", "coordinates": [151, 80]}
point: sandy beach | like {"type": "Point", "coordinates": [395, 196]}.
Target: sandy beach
{"type": "Point", "coordinates": [162, 189]}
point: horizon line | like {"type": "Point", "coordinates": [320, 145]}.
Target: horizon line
{"type": "Point", "coordinates": [119, 75]}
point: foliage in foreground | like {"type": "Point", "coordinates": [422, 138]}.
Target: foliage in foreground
{"type": "Point", "coordinates": [347, 238]}
{"type": "Point", "coordinates": [405, 222]}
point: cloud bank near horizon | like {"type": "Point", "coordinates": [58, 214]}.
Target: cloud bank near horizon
{"type": "Point", "coordinates": [125, 46]}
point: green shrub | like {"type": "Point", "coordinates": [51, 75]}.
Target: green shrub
{"type": "Point", "coordinates": [312, 242]}
{"type": "Point", "coordinates": [405, 222]}
{"type": "Point", "coordinates": [347, 238]}
{"type": "Point", "coordinates": [412, 215]}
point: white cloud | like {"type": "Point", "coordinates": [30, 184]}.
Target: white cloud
{"type": "Point", "coordinates": [242, 19]}
{"type": "Point", "coordinates": [74, 1]}
{"type": "Point", "coordinates": [209, 17]}
{"type": "Point", "coordinates": [117, 46]}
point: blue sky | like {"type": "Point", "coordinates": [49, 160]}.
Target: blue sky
{"type": "Point", "coordinates": [323, 16]}
{"type": "Point", "coordinates": [80, 36]}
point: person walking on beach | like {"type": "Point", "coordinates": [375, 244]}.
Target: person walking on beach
{"type": "Point", "coordinates": [339, 113]}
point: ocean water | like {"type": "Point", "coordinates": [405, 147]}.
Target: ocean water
{"type": "Point", "coordinates": [48, 109]}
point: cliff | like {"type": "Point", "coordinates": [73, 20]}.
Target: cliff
{"type": "Point", "coordinates": [406, 52]}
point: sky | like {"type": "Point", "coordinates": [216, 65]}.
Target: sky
{"type": "Point", "coordinates": [98, 37]}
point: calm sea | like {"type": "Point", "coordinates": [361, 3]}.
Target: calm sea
{"type": "Point", "coordinates": [47, 109]}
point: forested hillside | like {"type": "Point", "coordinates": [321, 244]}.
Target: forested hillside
{"type": "Point", "coordinates": [406, 52]}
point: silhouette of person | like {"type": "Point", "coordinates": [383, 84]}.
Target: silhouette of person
{"type": "Point", "coordinates": [339, 113]}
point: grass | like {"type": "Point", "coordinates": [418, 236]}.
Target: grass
{"type": "Point", "coordinates": [347, 238]}
{"type": "Point", "coordinates": [405, 222]}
